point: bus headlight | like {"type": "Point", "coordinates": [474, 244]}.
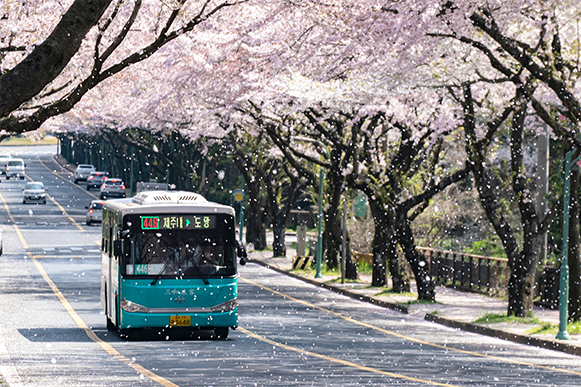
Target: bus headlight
{"type": "Point", "coordinates": [226, 307]}
{"type": "Point", "coordinates": [132, 307]}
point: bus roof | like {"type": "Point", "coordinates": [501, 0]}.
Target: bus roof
{"type": "Point", "coordinates": [166, 201]}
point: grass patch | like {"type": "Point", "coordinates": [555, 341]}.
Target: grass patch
{"type": "Point", "coordinates": [573, 328]}
{"type": "Point", "coordinates": [20, 140]}
{"type": "Point", "coordinates": [311, 271]}
{"type": "Point", "coordinates": [492, 318]}
{"type": "Point", "coordinates": [364, 267]}
{"type": "Point", "coordinates": [390, 292]}
{"type": "Point", "coordinates": [347, 281]}
{"type": "Point", "coordinates": [268, 248]}
{"type": "Point", "coordinates": [423, 302]}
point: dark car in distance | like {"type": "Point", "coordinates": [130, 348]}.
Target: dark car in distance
{"type": "Point", "coordinates": [112, 188]}
{"type": "Point", "coordinates": [96, 179]}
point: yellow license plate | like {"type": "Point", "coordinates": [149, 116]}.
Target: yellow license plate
{"type": "Point", "coordinates": [179, 321]}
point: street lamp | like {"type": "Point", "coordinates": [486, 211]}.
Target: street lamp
{"type": "Point", "coordinates": [564, 272]}
{"type": "Point", "coordinates": [319, 253]}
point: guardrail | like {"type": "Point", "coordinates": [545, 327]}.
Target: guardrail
{"type": "Point", "coordinates": [467, 270]}
{"type": "Point", "coordinates": [464, 270]}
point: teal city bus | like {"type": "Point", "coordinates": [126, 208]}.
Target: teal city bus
{"type": "Point", "coordinates": [169, 260]}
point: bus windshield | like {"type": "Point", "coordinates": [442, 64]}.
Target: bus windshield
{"type": "Point", "coordinates": [180, 253]}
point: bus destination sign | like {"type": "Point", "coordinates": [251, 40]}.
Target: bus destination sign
{"type": "Point", "coordinates": [179, 222]}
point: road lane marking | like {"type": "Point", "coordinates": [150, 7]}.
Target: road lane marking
{"type": "Point", "coordinates": [78, 320]}
{"type": "Point", "coordinates": [20, 236]}
{"type": "Point", "coordinates": [55, 202]}
{"type": "Point", "coordinates": [66, 256]}
{"type": "Point", "coordinates": [352, 320]}
{"type": "Point", "coordinates": [344, 362]}
{"type": "Point", "coordinates": [64, 178]}
{"type": "Point", "coordinates": [81, 324]}
{"type": "Point", "coordinates": [66, 213]}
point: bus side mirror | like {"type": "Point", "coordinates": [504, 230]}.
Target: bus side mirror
{"type": "Point", "coordinates": [241, 252]}
{"type": "Point", "coordinates": [117, 250]}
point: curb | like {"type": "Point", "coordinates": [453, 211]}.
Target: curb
{"type": "Point", "coordinates": [513, 337]}
{"type": "Point", "coordinates": [464, 326]}
{"type": "Point", "coordinates": [390, 305]}
{"type": "Point", "coordinates": [56, 159]}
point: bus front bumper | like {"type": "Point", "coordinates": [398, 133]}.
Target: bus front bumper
{"type": "Point", "coordinates": [182, 320]}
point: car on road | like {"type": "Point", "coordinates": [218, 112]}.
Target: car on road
{"type": "Point", "coordinates": [94, 212]}
{"type": "Point", "coordinates": [3, 158]}
{"type": "Point", "coordinates": [113, 188]}
{"type": "Point", "coordinates": [83, 171]}
{"type": "Point", "coordinates": [96, 179]}
{"type": "Point", "coordinates": [34, 192]}
{"type": "Point", "coordinates": [14, 168]}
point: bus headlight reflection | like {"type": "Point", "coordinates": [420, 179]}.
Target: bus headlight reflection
{"type": "Point", "coordinates": [226, 307]}
{"type": "Point", "coordinates": [132, 307]}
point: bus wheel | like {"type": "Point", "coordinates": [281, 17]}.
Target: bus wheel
{"type": "Point", "coordinates": [221, 333]}
{"type": "Point", "coordinates": [110, 325]}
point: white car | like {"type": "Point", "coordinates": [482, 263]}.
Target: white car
{"type": "Point", "coordinates": [14, 168]}
{"type": "Point", "coordinates": [94, 212]}
{"type": "Point", "coordinates": [34, 192]}
{"type": "Point", "coordinates": [83, 171]}
{"type": "Point", "coordinates": [3, 158]}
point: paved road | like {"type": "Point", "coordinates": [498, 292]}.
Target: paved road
{"type": "Point", "coordinates": [52, 330]}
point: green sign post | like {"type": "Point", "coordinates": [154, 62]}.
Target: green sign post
{"type": "Point", "coordinates": [564, 272]}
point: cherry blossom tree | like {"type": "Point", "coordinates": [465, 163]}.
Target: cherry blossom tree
{"type": "Point", "coordinates": [93, 41]}
{"type": "Point", "coordinates": [289, 57]}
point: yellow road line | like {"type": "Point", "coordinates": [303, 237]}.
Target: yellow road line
{"type": "Point", "coordinates": [344, 362]}
{"type": "Point", "coordinates": [352, 320]}
{"type": "Point", "coordinates": [64, 178]}
{"type": "Point", "coordinates": [55, 202]}
{"type": "Point", "coordinates": [78, 320]}
{"type": "Point", "coordinates": [14, 223]}
{"type": "Point", "coordinates": [66, 213]}
{"type": "Point", "coordinates": [106, 346]}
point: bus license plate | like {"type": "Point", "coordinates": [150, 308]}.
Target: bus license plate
{"type": "Point", "coordinates": [179, 321]}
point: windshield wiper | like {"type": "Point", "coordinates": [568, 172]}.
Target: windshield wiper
{"type": "Point", "coordinates": [198, 269]}
{"type": "Point", "coordinates": [160, 274]}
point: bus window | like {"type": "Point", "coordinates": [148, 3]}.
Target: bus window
{"type": "Point", "coordinates": [180, 253]}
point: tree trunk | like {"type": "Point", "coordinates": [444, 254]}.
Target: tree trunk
{"type": "Point", "coordinates": [331, 248]}
{"type": "Point", "coordinates": [520, 292]}
{"type": "Point", "coordinates": [334, 239]}
{"type": "Point", "coordinates": [51, 56]}
{"type": "Point", "coordinates": [420, 267]}
{"type": "Point", "coordinates": [379, 275]}
{"type": "Point", "coordinates": [279, 231]}
{"type": "Point", "coordinates": [384, 251]}
{"type": "Point", "coordinates": [255, 227]}
{"type": "Point", "coordinates": [400, 281]}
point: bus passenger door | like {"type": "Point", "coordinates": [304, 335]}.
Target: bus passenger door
{"type": "Point", "coordinates": [113, 279]}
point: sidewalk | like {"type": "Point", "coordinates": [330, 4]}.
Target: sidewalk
{"type": "Point", "coordinates": [453, 308]}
